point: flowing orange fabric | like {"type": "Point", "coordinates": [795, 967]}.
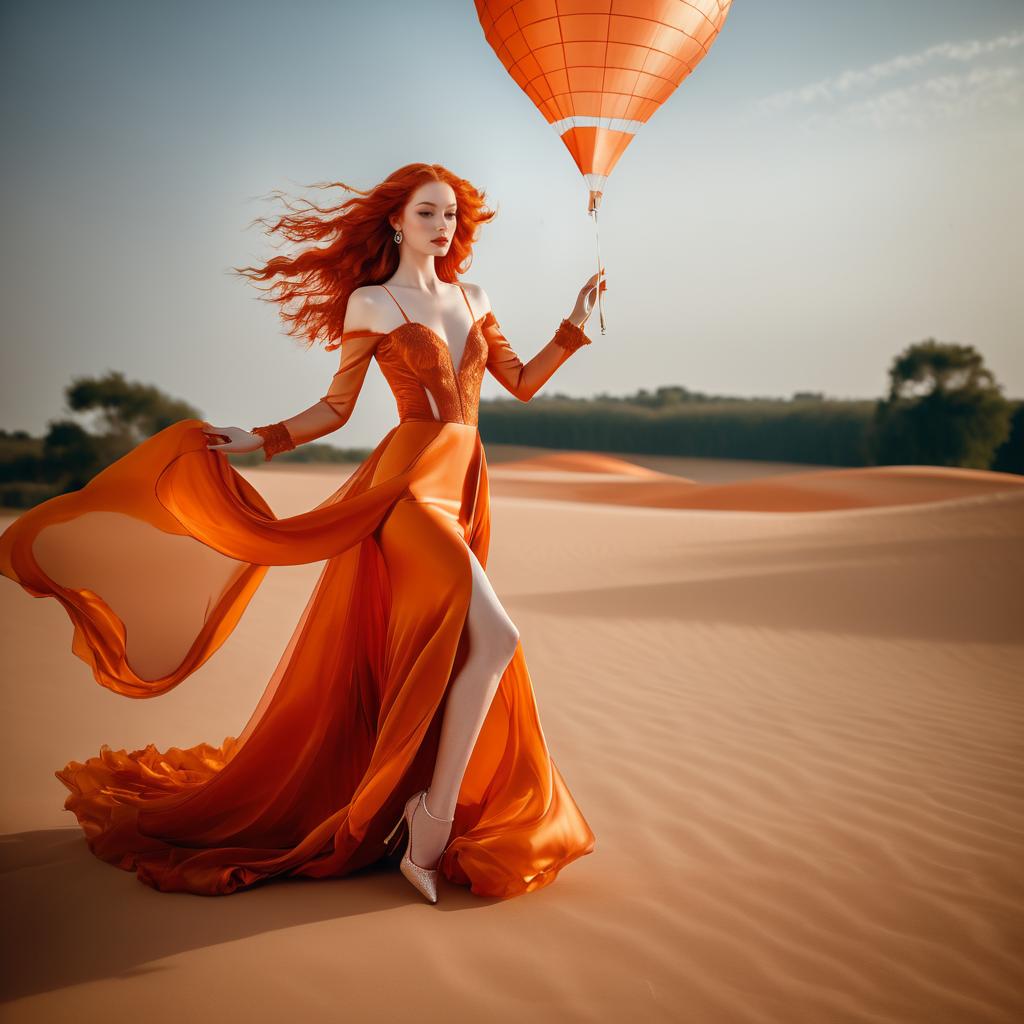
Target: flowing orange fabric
{"type": "Point", "coordinates": [155, 560]}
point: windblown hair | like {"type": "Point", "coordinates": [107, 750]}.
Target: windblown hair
{"type": "Point", "coordinates": [359, 250]}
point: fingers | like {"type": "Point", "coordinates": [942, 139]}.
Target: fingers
{"type": "Point", "coordinates": [216, 432]}
{"type": "Point", "coordinates": [219, 435]}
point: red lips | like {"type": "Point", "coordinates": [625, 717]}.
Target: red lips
{"type": "Point", "coordinates": [440, 241]}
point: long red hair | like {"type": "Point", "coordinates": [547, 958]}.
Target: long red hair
{"type": "Point", "coordinates": [360, 248]}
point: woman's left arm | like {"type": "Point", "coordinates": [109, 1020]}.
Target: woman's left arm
{"type": "Point", "coordinates": [524, 380]}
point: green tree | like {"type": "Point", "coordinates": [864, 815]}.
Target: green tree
{"type": "Point", "coordinates": [69, 455]}
{"type": "Point", "coordinates": [944, 408]}
{"type": "Point", "coordinates": [127, 409]}
{"type": "Point", "coordinates": [1010, 457]}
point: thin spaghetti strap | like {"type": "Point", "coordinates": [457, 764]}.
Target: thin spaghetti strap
{"type": "Point", "coordinates": [397, 303]}
{"type": "Point", "coordinates": [472, 315]}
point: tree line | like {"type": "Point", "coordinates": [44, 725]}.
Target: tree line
{"type": "Point", "coordinates": [943, 408]}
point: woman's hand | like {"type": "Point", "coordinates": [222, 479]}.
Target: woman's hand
{"type": "Point", "coordinates": [587, 299]}
{"type": "Point", "coordinates": [238, 440]}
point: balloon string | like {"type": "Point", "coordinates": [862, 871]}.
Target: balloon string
{"type": "Point", "coordinates": [600, 293]}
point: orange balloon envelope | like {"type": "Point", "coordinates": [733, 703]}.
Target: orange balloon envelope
{"type": "Point", "coordinates": [598, 69]}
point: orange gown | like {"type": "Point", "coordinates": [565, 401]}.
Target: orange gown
{"type": "Point", "coordinates": [155, 560]}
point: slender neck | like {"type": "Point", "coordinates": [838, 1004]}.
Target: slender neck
{"type": "Point", "coordinates": [417, 270]}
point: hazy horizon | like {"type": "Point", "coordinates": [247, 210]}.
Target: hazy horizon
{"type": "Point", "coordinates": [830, 186]}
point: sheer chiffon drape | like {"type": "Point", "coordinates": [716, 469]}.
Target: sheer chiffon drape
{"type": "Point", "coordinates": [156, 559]}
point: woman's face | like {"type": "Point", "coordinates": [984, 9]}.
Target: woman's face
{"type": "Point", "coordinates": [430, 214]}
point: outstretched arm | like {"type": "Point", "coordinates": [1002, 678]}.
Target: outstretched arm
{"type": "Point", "coordinates": [335, 407]}
{"type": "Point", "coordinates": [524, 380]}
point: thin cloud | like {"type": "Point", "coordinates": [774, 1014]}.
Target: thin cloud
{"type": "Point", "coordinates": [942, 95]}
{"type": "Point", "coordinates": [860, 79]}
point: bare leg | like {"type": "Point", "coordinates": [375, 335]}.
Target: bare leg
{"type": "Point", "coordinates": [492, 642]}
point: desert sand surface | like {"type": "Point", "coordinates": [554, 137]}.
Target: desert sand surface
{"type": "Point", "coordinates": [789, 703]}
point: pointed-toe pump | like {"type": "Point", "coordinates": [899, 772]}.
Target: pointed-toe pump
{"type": "Point", "coordinates": [424, 879]}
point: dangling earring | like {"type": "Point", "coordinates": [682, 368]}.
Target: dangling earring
{"type": "Point", "coordinates": [398, 236]}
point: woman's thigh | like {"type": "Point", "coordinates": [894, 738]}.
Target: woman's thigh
{"type": "Point", "coordinates": [427, 557]}
{"type": "Point", "coordinates": [430, 564]}
{"type": "Point", "coordinates": [492, 632]}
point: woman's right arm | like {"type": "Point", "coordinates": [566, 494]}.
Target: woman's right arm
{"type": "Point", "coordinates": [334, 408]}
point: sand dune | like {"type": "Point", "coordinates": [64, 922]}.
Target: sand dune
{"type": "Point", "coordinates": [580, 476]}
{"type": "Point", "coordinates": [791, 709]}
{"type": "Point", "coordinates": [580, 462]}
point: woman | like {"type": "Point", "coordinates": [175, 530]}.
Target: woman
{"type": "Point", "coordinates": [402, 706]}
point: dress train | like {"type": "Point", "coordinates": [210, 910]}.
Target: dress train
{"type": "Point", "coordinates": [155, 560]}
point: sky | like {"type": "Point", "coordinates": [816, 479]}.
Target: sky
{"type": "Point", "coordinates": [833, 183]}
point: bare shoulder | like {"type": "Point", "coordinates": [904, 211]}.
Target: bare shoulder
{"type": "Point", "coordinates": [363, 312]}
{"type": "Point", "coordinates": [478, 297]}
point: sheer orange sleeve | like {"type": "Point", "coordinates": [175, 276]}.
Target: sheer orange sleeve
{"type": "Point", "coordinates": [524, 380]}
{"type": "Point", "coordinates": [334, 408]}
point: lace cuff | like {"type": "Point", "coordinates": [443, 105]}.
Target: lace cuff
{"type": "Point", "coordinates": [570, 337]}
{"type": "Point", "coordinates": [276, 439]}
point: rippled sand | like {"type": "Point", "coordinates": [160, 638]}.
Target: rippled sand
{"type": "Point", "coordinates": [791, 708]}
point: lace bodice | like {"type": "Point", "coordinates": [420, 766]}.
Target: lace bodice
{"type": "Point", "coordinates": [423, 377]}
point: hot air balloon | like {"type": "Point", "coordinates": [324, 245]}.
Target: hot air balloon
{"type": "Point", "coordinates": [599, 69]}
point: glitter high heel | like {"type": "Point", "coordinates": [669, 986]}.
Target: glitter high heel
{"type": "Point", "coordinates": [424, 879]}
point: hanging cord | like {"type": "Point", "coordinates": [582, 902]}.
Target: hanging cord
{"type": "Point", "coordinates": [594, 200]}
